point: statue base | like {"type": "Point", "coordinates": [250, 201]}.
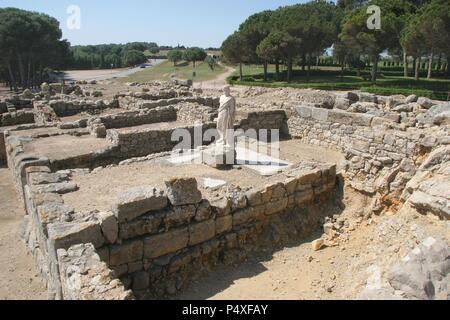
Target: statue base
{"type": "Point", "coordinates": [219, 156]}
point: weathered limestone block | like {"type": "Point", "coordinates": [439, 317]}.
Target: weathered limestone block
{"type": "Point", "coordinates": [412, 98]}
{"type": "Point", "coordinates": [64, 235]}
{"type": "Point", "coordinates": [237, 199]}
{"type": "Point", "coordinates": [423, 201]}
{"type": "Point", "coordinates": [367, 97]}
{"type": "Point", "coordinates": [129, 251]}
{"type": "Point", "coordinates": [41, 178]}
{"type": "Point", "coordinates": [254, 197]}
{"type": "Point", "coordinates": [138, 201]}
{"type": "Point", "coordinates": [276, 207]}
{"type": "Point", "coordinates": [425, 102]}
{"type": "Point", "coordinates": [224, 224]}
{"type": "Point", "coordinates": [183, 191]}
{"type": "Point", "coordinates": [203, 211]}
{"type": "Point", "coordinates": [84, 277]}
{"type": "Point", "coordinates": [308, 178]}
{"type": "Point", "coordinates": [50, 212]}
{"type": "Point", "coordinates": [140, 281]}
{"type": "Point", "coordinates": [109, 226]}
{"type": "Point", "coordinates": [304, 111]}
{"type": "Point", "coordinates": [424, 273]}
{"type": "Point", "coordinates": [59, 188]}
{"type": "Point", "coordinates": [304, 197]}
{"type": "Point", "coordinates": [165, 243]}
{"type": "Point", "coordinates": [320, 115]}
{"type": "Point", "coordinates": [180, 215]}
{"type": "Point", "coordinates": [221, 207]}
{"type": "Point", "coordinates": [144, 225]}
{"type": "Point", "coordinates": [201, 232]}
{"type": "Point", "coordinates": [342, 103]}
{"type": "Point", "coordinates": [246, 215]}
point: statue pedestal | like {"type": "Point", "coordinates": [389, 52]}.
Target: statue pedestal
{"type": "Point", "coordinates": [219, 156]}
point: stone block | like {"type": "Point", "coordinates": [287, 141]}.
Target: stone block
{"type": "Point", "coordinates": [144, 225]}
{"type": "Point", "coordinates": [138, 201]}
{"type": "Point", "coordinates": [304, 196]}
{"type": "Point", "coordinates": [180, 215]}
{"type": "Point", "coordinates": [338, 116]}
{"type": "Point", "coordinates": [130, 251]}
{"type": "Point", "coordinates": [201, 232]}
{"type": "Point", "coordinates": [304, 111]}
{"type": "Point", "coordinates": [109, 226]}
{"type": "Point", "coordinates": [183, 191]}
{"type": "Point", "coordinates": [244, 216]}
{"type": "Point", "coordinates": [165, 243]}
{"type": "Point", "coordinates": [140, 281]}
{"type": "Point", "coordinates": [224, 224]}
{"type": "Point", "coordinates": [64, 235]}
{"type": "Point", "coordinates": [254, 197]}
{"type": "Point", "coordinates": [308, 178]}
{"type": "Point", "coordinates": [276, 207]}
{"type": "Point", "coordinates": [320, 114]}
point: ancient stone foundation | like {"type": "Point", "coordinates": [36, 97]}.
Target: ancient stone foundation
{"type": "Point", "coordinates": [156, 241]}
{"type": "Point", "coordinates": [151, 240]}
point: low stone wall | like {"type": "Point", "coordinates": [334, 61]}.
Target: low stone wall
{"type": "Point", "coordinates": [169, 243]}
{"type": "Point", "coordinates": [85, 277]}
{"type": "Point", "coordinates": [137, 118]}
{"type": "Point", "coordinates": [15, 101]}
{"type": "Point", "coordinates": [381, 157]}
{"type": "Point", "coordinates": [265, 120]}
{"type": "Point", "coordinates": [139, 143]}
{"type": "Point", "coordinates": [195, 113]}
{"type": "Point", "coordinates": [16, 118]}
{"type": "Point", "coordinates": [146, 104]}
{"type": "Point", "coordinates": [64, 108]}
{"type": "Point", "coordinates": [157, 241]}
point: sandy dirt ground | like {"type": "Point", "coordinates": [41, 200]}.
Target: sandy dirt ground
{"type": "Point", "coordinates": [18, 281]}
{"type": "Point", "coordinates": [218, 82]}
{"type": "Point", "coordinates": [97, 190]}
{"type": "Point", "coordinates": [333, 273]}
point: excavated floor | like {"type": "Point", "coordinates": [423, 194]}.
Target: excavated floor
{"type": "Point", "coordinates": [98, 189]}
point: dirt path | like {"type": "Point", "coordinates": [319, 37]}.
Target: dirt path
{"type": "Point", "coordinates": [18, 281]}
{"type": "Point", "coordinates": [218, 82]}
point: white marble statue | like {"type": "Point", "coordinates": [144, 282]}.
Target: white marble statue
{"type": "Point", "coordinates": [225, 122]}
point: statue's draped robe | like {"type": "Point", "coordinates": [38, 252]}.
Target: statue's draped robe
{"type": "Point", "coordinates": [225, 122]}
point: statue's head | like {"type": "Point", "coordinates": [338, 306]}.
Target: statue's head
{"type": "Point", "coordinates": [227, 91]}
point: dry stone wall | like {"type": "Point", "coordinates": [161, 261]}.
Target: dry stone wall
{"type": "Point", "coordinates": [156, 241]}
{"type": "Point", "coordinates": [381, 157]}
{"type": "Point", "coordinates": [16, 118]}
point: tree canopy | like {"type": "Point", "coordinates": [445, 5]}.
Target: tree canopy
{"type": "Point", "coordinates": [194, 54]}
{"type": "Point", "coordinates": [29, 43]}
{"type": "Point", "coordinates": [298, 33]}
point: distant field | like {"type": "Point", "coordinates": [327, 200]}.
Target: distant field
{"type": "Point", "coordinates": [390, 81]}
{"type": "Point", "coordinates": [183, 70]}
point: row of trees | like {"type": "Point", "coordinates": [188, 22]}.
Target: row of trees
{"type": "Point", "coordinates": [30, 42]}
{"type": "Point", "coordinates": [193, 55]}
{"type": "Point", "coordinates": [299, 33]}
{"type": "Point", "coordinates": [111, 55]}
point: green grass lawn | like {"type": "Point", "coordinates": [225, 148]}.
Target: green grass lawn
{"type": "Point", "coordinates": [183, 70]}
{"type": "Point", "coordinates": [390, 81]}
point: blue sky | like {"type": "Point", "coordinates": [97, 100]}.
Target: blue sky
{"type": "Point", "coordinates": [204, 23]}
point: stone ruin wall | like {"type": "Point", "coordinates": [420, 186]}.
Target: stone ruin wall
{"type": "Point", "coordinates": [102, 255]}
{"type": "Point", "coordinates": [153, 242]}
{"type": "Point", "coordinates": [381, 159]}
